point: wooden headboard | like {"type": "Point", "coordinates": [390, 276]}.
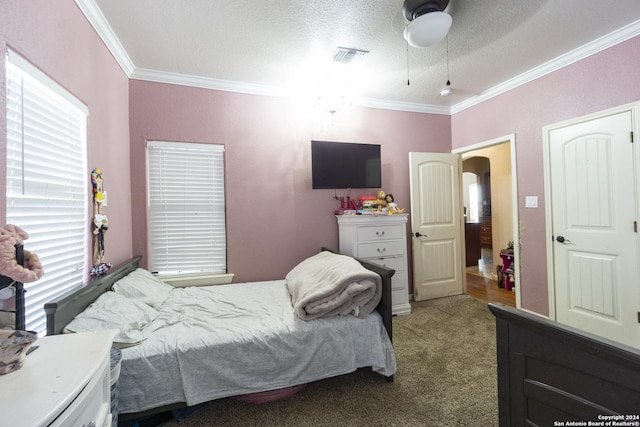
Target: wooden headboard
{"type": "Point", "coordinates": [64, 308]}
{"type": "Point", "coordinates": [549, 372]}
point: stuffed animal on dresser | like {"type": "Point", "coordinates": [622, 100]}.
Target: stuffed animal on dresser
{"type": "Point", "coordinates": [381, 200]}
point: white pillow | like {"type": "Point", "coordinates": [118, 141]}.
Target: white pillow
{"type": "Point", "coordinates": [113, 311]}
{"type": "Point", "coordinates": [143, 286]}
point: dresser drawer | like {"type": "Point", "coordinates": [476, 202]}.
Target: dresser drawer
{"type": "Point", "coordinates": [396, 262]}
{"type": "Point", "coordinates": [485, 240]}
{"type": "Point", "coordinates": [381, 249]}
{"type": "Point", "coordinates": [379, 232]}
{"type": "Point", "coordinates": [485, 231]}
{"type": "Point", "coordinates": [399, 290]}
{"type": "Point", "coordinates": [91, 407]}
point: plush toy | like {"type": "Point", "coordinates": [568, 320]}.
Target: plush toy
{"type": "Point", "coordinates": [392, 207]}
{"type": "Point", "coordinates": [11, 235]}
{"type": "Point", "coordinates": [381, 201]}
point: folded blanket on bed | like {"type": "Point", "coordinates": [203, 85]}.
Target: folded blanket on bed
{"type": "Point", "coordinates": [329, 284]}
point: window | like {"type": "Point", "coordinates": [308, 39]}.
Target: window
{"type": "Point", "coordinates": [186, 208]}
{"type": "Point", "coordinates": [471, 195]}
{"type": "Point", "coordinates": [47, 181]}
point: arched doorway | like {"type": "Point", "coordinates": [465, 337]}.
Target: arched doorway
{"type": "Point", "coordinates": [477, 208]}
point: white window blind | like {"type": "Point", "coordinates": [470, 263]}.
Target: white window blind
{"type": "Point", "coordinates": [186, 208]}
{"type": "Point", "coordinates": [47, 191]}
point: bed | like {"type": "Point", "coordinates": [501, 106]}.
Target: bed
{"type": "Point", "coordinates": [197, 344]}
{"type": "Point", "coordinates": [552, 375]}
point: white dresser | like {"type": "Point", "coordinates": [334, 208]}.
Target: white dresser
{"type": "Point", "coordinates": [381, 239]}
{"type": "Point", "coordinates": [64, 382]}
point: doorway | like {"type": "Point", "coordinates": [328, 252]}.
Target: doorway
{"type": "Point", "coordinates": [476, 199]}
{"type": "Point", "coordinates": [494, 165]}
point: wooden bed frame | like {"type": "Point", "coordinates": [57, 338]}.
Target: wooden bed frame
{"type": "Point", "coordinates": [550, 373]}
{"type": "Point", "coordinates": [61, 311]}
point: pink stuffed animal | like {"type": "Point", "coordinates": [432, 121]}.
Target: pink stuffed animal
{"type": "Point", "coordinates": [11, 235]}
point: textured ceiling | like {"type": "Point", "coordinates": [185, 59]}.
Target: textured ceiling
{"type": "Point", "coordinates": [287, 45]}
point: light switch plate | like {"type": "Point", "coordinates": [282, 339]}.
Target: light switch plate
{"type": "Point", "coordinates": [531, 202]}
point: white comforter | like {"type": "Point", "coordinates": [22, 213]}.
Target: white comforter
{"type": "Point", "coordinates": [218, 341]}
{"type": "Point", "coordinates": [329, 284]}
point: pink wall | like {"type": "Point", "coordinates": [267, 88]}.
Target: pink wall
{"type": "Point", "coordinates": [607, 79]}
{"type": "Point", "coordinates": [56, 37]}
{"type": "Point", "coordinates": [274, 218]}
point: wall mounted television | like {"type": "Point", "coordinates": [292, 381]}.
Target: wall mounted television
{"type": "Point", "coordinates": [345, 165]}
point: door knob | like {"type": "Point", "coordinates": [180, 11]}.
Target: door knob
{"type": "Point", "coordinates": [561, 239]}
{"type": "Point", "coordinates": [418, 234]}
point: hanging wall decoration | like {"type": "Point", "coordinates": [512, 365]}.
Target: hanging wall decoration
{"type": "Point", "coordinates": [100, 224]}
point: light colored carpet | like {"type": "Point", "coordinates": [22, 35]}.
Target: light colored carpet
{"type": "Point", "coordinates": [446, 376]}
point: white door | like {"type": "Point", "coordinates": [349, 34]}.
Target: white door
{"type": "Point", "coordinates": [593, 208]}
{"type": "Point", "coordinates": [436, 224]}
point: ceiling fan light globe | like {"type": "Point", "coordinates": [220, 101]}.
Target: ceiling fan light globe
{"type": "Point", "coordinates": [428, 29]}
{"type": "Point", "coordinates": [446, 91]}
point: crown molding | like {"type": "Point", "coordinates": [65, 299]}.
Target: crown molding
{"type": "Point", "coordinates": [402, 106]}
{"type": "Point", "coordinates": [95, 17]}
{"type": "Point", "coordinates": [618, 36]}
{"type": "Point", "coordinates": [104, 30]}
{"type": "Point", "coordinates": [273, 91]}
{"type": "Point", "coordinates": [102, 27]}
{"type": "Point", "coordinates": [207, 83]}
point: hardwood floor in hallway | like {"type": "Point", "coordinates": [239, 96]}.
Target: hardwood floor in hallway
{"type": "Point", "coordinates": [487, 290]}
{"type": "Point", "coordinates": [482, 282]}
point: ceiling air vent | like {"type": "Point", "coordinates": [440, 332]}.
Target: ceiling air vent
{"type": "Point", "coordinates": [347, 55]}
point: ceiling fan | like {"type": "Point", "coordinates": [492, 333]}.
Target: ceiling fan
{"type": "Point", "coordinates": [428, 23]}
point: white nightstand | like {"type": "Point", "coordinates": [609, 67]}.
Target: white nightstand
{"type": "Point", "coordinates": [381, 239]}
{"type": "Point", "coordinates": [64, 382]}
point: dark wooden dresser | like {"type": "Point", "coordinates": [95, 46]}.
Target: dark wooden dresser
{"type": "Point", "coordinates": [472, 242]}
{"type": "Point", "coordinates": [485, 231]}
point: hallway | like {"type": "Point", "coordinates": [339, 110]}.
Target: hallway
{"type": "Point", "coordinates": [482, 282]}
{"type": "Point", "coordinates": [485, 265]}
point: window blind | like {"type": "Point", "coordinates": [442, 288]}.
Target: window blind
{"type": "Point", "coordinates": [186, 208]}
{"type": "Point", "coordinates": [46, 189]}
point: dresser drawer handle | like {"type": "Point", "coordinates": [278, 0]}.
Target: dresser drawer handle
{"type": "Point", "coordinates": [379, 234]}
{"type": "Point", "coordinates": [381, 251]}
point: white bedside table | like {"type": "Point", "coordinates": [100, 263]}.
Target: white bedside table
{"type": "Point", "coordinates": [64, 382]}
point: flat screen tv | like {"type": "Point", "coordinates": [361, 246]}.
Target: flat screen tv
{"type": "Point", "coordinates": [345, 165]}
